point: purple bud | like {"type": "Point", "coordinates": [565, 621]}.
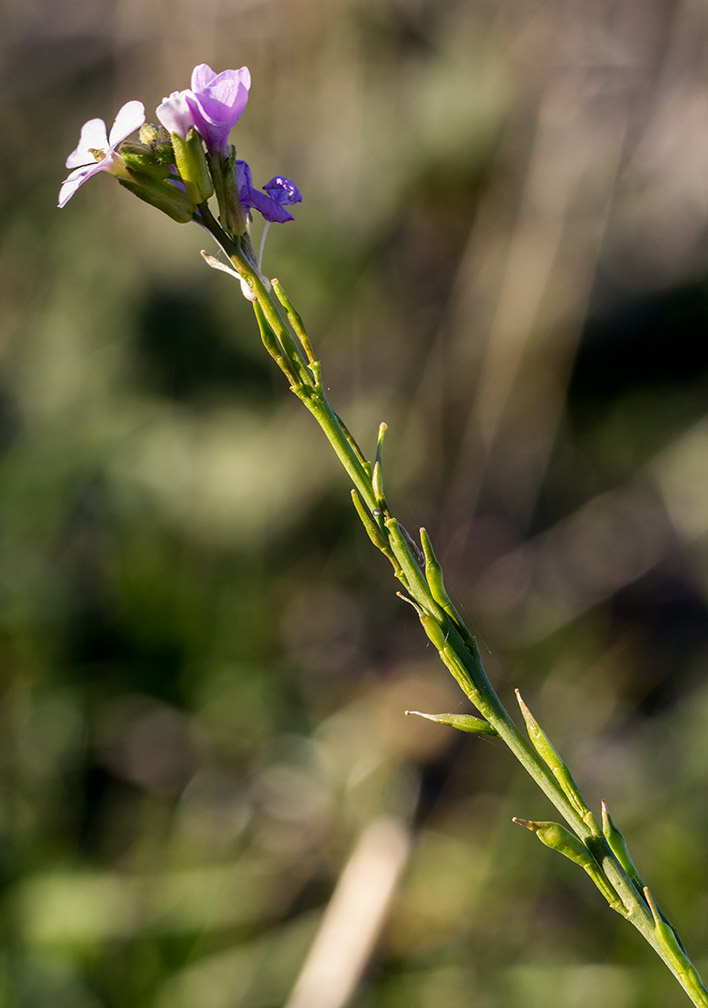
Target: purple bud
{"type": "Point", "coordinates": [271, 204]}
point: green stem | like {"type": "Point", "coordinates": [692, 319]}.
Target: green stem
{"type": "Point", "coordinates": [288, 344]}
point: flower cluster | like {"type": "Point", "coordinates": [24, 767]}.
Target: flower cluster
{"type": "Point", "coordinates": [177, 167]}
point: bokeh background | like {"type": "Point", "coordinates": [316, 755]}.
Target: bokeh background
{"type": "Point", "coordinates": [502, 252]}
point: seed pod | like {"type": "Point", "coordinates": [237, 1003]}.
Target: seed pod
{"type": "Point", "coordinates": [559, 838]}
{"type": "Point", "coordinates": [550, 756]}
{"type": "Point", "coordinates": [463, 722]}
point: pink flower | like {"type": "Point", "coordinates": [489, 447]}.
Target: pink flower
{"type": "Point", "coordinates": [96, 151]}
{"type": "Point", "coordinates": [213, 105]}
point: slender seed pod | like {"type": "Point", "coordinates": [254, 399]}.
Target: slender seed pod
{"type": "Point", "coordinates": [416, 583]}
{"type": "Point", "coordinates": [372, 529]}
{"type": "Point", "coordinates": [550, 756]}
{"type": "Point", "coordinates": [436, 583]}
{"type": "Point", "coordinates": [383, 427]}
{"type": "Point", "coordinates": [295, 320]}
{"type": "Point", "coordinates": [273, 346]}
{"type": "Point", "coordinates": [377, 484]}
{"type": "Point", "coordinates": [618, 846]}
{"type": "Point", "coordinates": [461, 675]}
{"type": "Point", "coordinates": [676, 953]}
{"type": "Point", "coordinates": [436, 636]}
{"type": "Point", "coordinates": [463, 722]}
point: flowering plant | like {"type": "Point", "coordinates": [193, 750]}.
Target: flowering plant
{"type": "Point", "coordinates": [178, 167]}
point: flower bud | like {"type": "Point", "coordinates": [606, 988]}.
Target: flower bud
{"type": "Point", "coordinates": [140, 158]}
{"type": "Point", "coordinates": [158, 140]}
{"type": "Point", "coordinates": [163, 195]}
{"type": "Point", "coordinates": [192, 166]}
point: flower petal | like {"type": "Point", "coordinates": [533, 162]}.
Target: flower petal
{"type": "Point", "coordinates": [93, 136]}
{"type": "Point", "coordinates": [175, 113]}
{"type": "Point", "coordinates": [283, 190]}
{"type": "Point", "coordinates": [266, 205]}
{"type": "Point", "coordinates": [217, 102]}
{"type": "Point", "coordinates": [129, 118]}
{"type": "Point", "coordinates": [75, 179]}
{"type": "Point", "coordinates": [243, 175]}
{"type": "Point", "coordinates": [202, 76]}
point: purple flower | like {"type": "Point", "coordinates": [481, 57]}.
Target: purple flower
{"type": "Point", "coordinates": [213, 105]}
{"type": "Point", "coordinates": [271, 203]}
{"type": "Point", "coordinates": [96, 151]}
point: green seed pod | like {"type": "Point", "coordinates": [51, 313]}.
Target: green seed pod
{"type": "Point", "coordinates": [436, 583]}
{"type": "Point", "coordinates": [670, 941]}
{"type": "Point", "coordinates": [550, 756]}
{"type": "Point", "coordinates": [372, 529]}
{"type": "Point", "coordinates": [559, 838]}
{"type": "Point", "coordinates": [618, 846]}
{"type": "Point", "coordinates": [462, 675]}
{"type": "Point", "coordinates": [463, 722]}
{"type": "Point", "coordinates": [433, 631]}
{"type": "Point", "coordinates": [298, 327]}
{"type": "Point", "coordinates": [377, 484]}
{"type": "Point", "coordinates": [414, 580]}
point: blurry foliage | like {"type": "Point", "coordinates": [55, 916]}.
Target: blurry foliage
{"type": "Point", "coordinates": [203, 667]}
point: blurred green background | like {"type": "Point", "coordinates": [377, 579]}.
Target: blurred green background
{"type": "Point", "coordinates": [502, 252]}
